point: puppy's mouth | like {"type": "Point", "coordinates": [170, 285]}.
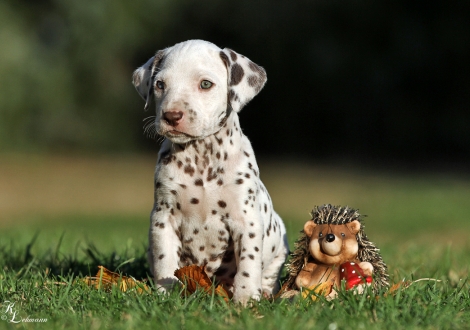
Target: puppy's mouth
{"type": "Point", "coordinates": [178, 136]}
{"type": "Point", "coordinates": [176, 133]}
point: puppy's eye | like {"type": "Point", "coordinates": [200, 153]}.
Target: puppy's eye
{"type": "Point", "coordinates": [343, 235]}
{"type": "Point", "coordinates": [206, 84]}
{"type": "Point", "coordinates": [320, 235]}
{"type": "Point", "coordinates": [160, 84]}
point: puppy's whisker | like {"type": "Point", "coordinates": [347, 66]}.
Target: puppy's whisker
{"type": "Point", "coordinates": [149, 127]}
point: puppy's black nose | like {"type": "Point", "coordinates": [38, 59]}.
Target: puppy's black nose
{"type": "Point", "coordinates": [173, 117]}
{"type": "Point", "coordinates": [330, 238]}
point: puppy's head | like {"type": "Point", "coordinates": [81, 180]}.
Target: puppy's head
{"type": "Point", "coordinates": [195, 86]}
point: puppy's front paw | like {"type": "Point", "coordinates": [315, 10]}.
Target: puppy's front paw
{"type": "Point", "coordinates": [165, 285]}
{"type": "Point", "coordinates": [244, 295]}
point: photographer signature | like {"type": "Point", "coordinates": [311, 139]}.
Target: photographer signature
{"type": "Point", "coordinates": [10, 314]}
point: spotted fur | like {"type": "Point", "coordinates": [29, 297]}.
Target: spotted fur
{"type": "Point", "coordinates": [210, 207]}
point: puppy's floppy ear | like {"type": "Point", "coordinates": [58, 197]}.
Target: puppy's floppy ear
{"type": "Point", "coordinates": [143, 77]}
{"type": "Point", "coordinates": [245, 78]}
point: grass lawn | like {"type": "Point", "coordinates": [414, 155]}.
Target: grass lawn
{"type": "Point", "coordinates": [61, 217]}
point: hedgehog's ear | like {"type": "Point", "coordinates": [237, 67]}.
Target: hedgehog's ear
{"type": "Point", "coordinates": [143, 77]}
{"type": "Point", "coordinates": [354, 226]}
{"type": "Point", "coordinates": [309, 227]}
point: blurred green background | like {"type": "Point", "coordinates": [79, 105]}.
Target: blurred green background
{"type": "Point", "coordinates": [367, 105]}
{"type": "Point", "coordinates": [349, 79]}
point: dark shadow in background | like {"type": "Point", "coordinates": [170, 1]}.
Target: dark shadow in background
{"type": "Point", "coordinates": [367, 81]}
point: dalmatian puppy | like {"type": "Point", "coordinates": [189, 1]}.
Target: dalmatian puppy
{"type": "Point", "coordinates": [210, 208]}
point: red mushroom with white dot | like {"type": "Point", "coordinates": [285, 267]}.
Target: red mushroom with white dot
{"type": "Point", "coordinates": [356, 274]}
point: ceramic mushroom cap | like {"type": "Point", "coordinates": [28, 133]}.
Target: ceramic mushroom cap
{"type": "Point", "coordinates": [353, 274]}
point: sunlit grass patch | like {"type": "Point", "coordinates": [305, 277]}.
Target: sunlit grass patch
{"type": "Point", "coordinates": [62, 217]}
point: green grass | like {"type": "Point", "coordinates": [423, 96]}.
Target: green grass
{"type": "Point", "coordinates": [46, 286]}
{"type": "Point", "coordinates": [49, 241]}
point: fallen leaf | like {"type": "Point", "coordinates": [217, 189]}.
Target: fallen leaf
{"type": "Point", "coordinates": [106, 279]}
{"type": "Point", "coordinates": [399, 285]}
{"type": "Point", "coordinates": [405, 284]}
{"type": "Point", "coordinates": [194, 277]}
{"type": "Point", "coordinates": [321, 289]}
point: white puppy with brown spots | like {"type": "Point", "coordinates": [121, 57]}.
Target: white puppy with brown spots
{"type": "Point", "coordinates": [211, 208]}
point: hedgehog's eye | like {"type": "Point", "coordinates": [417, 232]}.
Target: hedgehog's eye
{"type": "Point", "coordinates": [342, 234]}
{"type": "Point", "coordinates": [320, 235]}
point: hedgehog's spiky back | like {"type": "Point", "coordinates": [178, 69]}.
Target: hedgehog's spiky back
{"type": "Point", "coordinates": [336, 215]}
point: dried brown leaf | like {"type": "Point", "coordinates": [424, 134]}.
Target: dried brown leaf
{"type": "Point", "coordinates": [194, 277]}
{"type": "Point", "coordinates": [106, 279]}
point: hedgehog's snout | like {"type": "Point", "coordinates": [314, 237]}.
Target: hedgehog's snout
{"type": "Point", "coordinates": [331, 246]}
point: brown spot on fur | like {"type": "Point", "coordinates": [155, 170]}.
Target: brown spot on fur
{"type": "Point", "coordinates": [189, 170]}
{"type": "Point", "coordinates": [236, 74]}
{"type": "Point", "coordinates": [233, 55]}
{"type": "Point", "coordinates": [232, 96]}
{"type": "Point", "coordinates": [224, 58]}
{"type": "Point", "coordinates": [257, 69]}
{"type": "Point", "coordinates": [254, 80]}
{"type": "Point", "coordinates": [222, 204]}
{"type": "Point", "coordinates": [194, 201]}
{"type": "Point", "coordinates": [166, 160]}
{"type": "Point", "coordinates": [211, 176]}
{"type": "Point", "coordinates": [198, 182]}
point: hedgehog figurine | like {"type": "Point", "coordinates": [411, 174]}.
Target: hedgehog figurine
{"type": "Point", "coordinates": [333, 247]}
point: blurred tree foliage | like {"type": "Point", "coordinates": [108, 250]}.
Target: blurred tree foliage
{"type": "Point", "coordinates": [350, 78]}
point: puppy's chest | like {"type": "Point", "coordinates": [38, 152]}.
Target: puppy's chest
{"type": "Point", "coordinates": [207, 241]}
{"type": "Point", "coordinates": [198, 181]}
